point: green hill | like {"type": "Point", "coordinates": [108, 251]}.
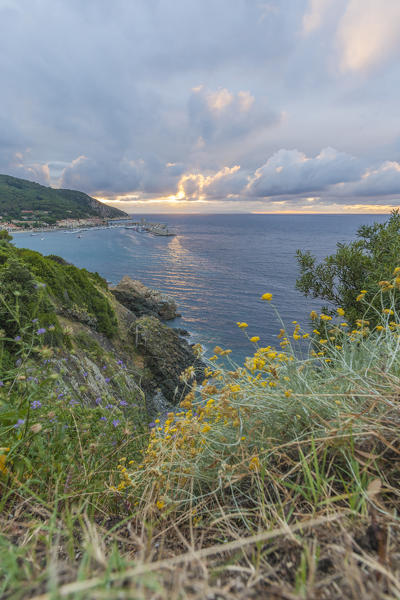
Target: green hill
{"type": "Point", "coordinates": [47, 205]}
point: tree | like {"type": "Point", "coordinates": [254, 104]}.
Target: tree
{"type": "Point", "coordinates": [359, 265]}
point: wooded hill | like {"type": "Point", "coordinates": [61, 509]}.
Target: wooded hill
{"type": "Point", "coordinates": [48, 205]}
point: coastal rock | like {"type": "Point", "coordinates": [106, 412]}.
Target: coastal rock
{"type": "Point", "coordinates": [166, 355]}
{"type": "Point", "coordinates": [142, 300]}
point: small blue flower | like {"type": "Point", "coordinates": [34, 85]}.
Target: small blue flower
{"type": "Point", "coordinates": [98, 401]}
{"type": "Point", "coordinates": [115, 422]}
{"type": "Point", "coordinates": [152, 425]}
{"type": "Point", "coordinates": [109, 406]}
{"type": "Point", "coordinates": [107, 380]}
{"type": "Point", "coordinates": [35, 320]}
{"type": "Point", "coordinates": [85, 374]}
{"type": "Point", "coordinates": [103, 418]}
{"type": "Point", "coordinates": [123, 403]}
{"type": "Point", "coordinates": [17, 338]}
{"type": "Point", "coordinates": [1, 383]}
{"type": "Point", "coordinates": [120, 362]}
{"type": "Point", "coordinates": [73, 402]}
{"type": "Point", "coordinates": [19, 423]}
{"type": "Point", "coordinates": [36, 404]}
{"type": "Point", "coordinates": [60, 395]}
{"type": "Point", "coordinates": [41, 330]}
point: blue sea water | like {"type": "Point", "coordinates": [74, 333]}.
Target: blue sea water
{"type": "Point", "coordinates": [216, 267]}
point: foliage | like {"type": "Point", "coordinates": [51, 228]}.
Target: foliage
{"type": "Point", "coordinates": [72, 287]}
{"type": "Point", "coordinates": [355, 266]}
{"type": "Point", "coordinates": [279, 477]}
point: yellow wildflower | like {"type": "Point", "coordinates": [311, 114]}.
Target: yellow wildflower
{"type": "Point", "coordinates": [340, 312]}
{"type": "Point", "coordinates": [267, 297]}
{"type": "Point", "coordinates": [241, 325]}
{"type": "Point", "coordinates": [313, 315]}
{"type": "Point", "coordinates": [254, 464]}
{"type": "Point", "coordinates": [255, 339]}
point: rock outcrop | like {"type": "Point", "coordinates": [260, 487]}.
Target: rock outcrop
{"type": "Point", "coordinates": [166, 355]}
{"type": "Point", "coordinates": [143, 301]}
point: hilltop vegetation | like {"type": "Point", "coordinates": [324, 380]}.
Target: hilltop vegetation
{"type": "Point", "coordinates": [278, 478]}
{"type": "Point", "coordinates": [47, 205]}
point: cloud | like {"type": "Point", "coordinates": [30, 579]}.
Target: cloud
{"type": "Point", "coordinates": [316, 14]}
{"type": "Point", "coordinates": [368, 32]}
{"type": "Point", "coordinates": [382, 180]}
{"type": "Point", "coordinates": [292, 172]}
{"type": "Point", "coordinates": [221, 115]}
{"type": "Point", "coordinates": [151, 97]}
{"type": "Point", "coordinates": [226, 182]}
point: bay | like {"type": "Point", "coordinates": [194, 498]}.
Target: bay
{"type": "Point", "coordinates": [216, 267]}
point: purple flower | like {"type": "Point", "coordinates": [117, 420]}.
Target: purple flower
{"type": "Point", "coordinates": [109, 406]}
{"type": "Point", "coordinates": [19, 423]}
{"type": "Point", "coordinates": [115, 422]}
{"type": "Point", "coordinates": [36, 404]}
{"type": "Point", "coordinates": [1, 383]}
{"type": "Point", "coordinates": [60, 395]}
{"type": "Point", "coordinates": [35, 320]}
{"type": "Point", "coordinates": [103, 418]}
{"type": "Point", "coordinates": [85, 374]}
{"type": "Point", "coordinates": [107, 380]}
{"type": "Point", "coordinates": [123, 403]}
{"type": "Point", "coordinates": [104, 367]}
{"type": "Point", "coordinates": [120, 362]}
{"type": "Point", "coordinates": [41, 330]}
{"type": "Point", "coordinates": [98, 401]}
{"type": "Point", "coordinates": [73, 402]}
{"type": "Point", "coordinates": [17, 338]}
{"type": "Point", "coordinates": [152, 424]}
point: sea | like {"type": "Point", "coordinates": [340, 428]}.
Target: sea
{"type": "Point", "coordinates": [216, 267]}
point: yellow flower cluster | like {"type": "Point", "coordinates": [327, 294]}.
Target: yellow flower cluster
{"type": "Point", "coordinates": [212, 423]}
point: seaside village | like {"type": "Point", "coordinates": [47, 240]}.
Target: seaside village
{"type": "Point", "coordinates": [33, 221]}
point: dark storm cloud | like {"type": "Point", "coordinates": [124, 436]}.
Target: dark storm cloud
{"type": "Point", "coordinates": [153, 96]}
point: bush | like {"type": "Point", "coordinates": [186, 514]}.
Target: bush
{"type": "Point", "coordinates": [362, 264]}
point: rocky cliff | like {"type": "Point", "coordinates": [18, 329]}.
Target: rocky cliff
{"type": "Point", "coordinates": [141, 300]}
{"type": "Point", "coordinates": [105, 344]}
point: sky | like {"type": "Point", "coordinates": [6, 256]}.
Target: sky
{"type": "Point", "coordinates": [205, 105]}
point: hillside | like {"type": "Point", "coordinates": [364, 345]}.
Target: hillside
{"type": "Point", "coordinates": [27, 201]}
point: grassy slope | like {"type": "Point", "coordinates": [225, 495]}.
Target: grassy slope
{"type": "Point", "coordinates": [278, 479]}
{"type": "Point", "coordinates": [19, 194]}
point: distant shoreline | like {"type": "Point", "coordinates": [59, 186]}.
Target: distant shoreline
{"type": "Point", "coordinates": [157, 229]}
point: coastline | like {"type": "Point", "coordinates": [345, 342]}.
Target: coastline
{"type": "Point", "coordinates": [157, 229]}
